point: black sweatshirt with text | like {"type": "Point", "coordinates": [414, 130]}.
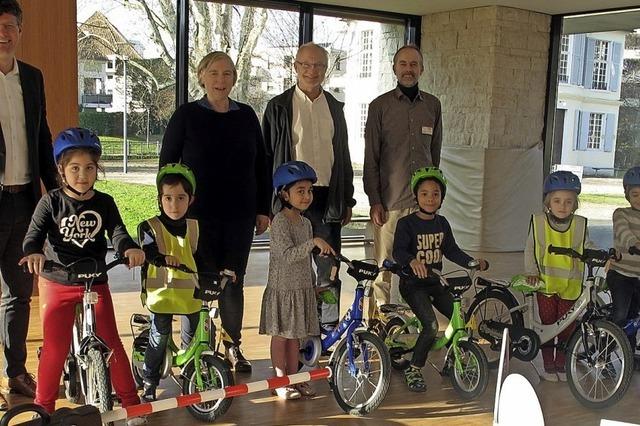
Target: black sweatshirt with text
{"type": "Point", "coordinates": [75, 230]}
{"type": "Point", "coordinates": [427, 240]}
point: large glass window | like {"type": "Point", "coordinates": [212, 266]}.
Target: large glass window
{"type": "Point", "coordinates": [261, 41]}
{"type": "Point", "coordinates": [360, 69]}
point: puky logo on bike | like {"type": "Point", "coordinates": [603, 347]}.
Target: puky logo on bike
{"type": "Point", "coordinates": [81, 228]}
{"type": "Point", "coordinates": [429, 248]}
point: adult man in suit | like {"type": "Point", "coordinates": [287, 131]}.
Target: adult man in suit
{"type": "Point", "coordinates": [25, 157]}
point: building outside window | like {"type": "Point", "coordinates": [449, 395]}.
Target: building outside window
{"type": "Point", "coordinates": [600, 58]}
{"type": "Point", "coordinates": [563, 72]}
{"type": "Point", "coordinates": [596, 121]}
{"type": "Point", "coordinates": [366, 44]}
{"type": "Point", "coordinates": [364, 110]}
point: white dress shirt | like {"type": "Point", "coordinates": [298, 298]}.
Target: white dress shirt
{"type": "Point", "coordinates": [14, 129]}
{"type": "Point", "coordinates": [312, 134]}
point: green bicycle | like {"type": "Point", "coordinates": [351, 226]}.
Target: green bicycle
{"type": "Point", "coordinates": [464, 362]}
{"type": "Point", "coordinates": [202, 367]}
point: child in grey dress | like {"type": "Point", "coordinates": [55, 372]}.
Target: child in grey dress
{"type": "Point", "coordinates": [289, 306]}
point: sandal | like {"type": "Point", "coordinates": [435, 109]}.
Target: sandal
{"type": "Point", "coordinates": [414, 379]}
{"type": "Point", "coordinates": [305, 389]}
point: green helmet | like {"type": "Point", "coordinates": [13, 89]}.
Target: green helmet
{"type": "Point", "coordinates": [177, 169]}
{"type": "Point", "coordinates": [425, 173]}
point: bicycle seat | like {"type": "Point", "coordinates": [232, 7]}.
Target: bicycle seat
{"type": "Point", "coordinates": [458, 285]}
{"type": "Point", "coordinates": [388, 308]}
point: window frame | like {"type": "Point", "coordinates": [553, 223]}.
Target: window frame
{"type": "Point", "coordinates": [601, 54]}
{"type": "Point", "coordinates": [597, 121]}
{"type": "Point", "coordinates": [564, 58]}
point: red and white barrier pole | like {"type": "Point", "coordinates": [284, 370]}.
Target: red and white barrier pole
{"type": "Point", "coordinates": [211, 395]}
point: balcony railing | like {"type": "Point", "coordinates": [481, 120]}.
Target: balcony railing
{"type": "Point", "coordinates": [100, 99]}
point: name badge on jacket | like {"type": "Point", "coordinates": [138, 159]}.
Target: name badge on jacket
{"type": "Point", "coordinates": [426, 130]}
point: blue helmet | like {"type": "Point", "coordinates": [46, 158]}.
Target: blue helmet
{"type": "Point", "coordinates": [561, 180]}
{"type": "Point", "coordinates": [75, 137]}
{"type": "Point", "coordinates": [631, 177]}
{"type": "Point", "coordinates": [291, 172]}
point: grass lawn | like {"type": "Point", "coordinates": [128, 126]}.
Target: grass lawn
{"type": "Point", "coordinates": [613, 200]}
{"type": "Point", "coordinates": [136, 202]}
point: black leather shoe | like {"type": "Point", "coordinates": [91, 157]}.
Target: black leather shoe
{"type": "Point", "coordinates": [149, 392]}
{"type": "Point", "coordinates": [236, 360]}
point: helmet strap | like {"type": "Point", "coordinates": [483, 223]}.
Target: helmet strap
{"type": "Point", "coordinates": [78, 193]}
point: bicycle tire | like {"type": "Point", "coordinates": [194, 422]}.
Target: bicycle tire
{"type": "Point", "coordinates": [365, 344]}
{"type": "Point", "coordinates": [98, 382]}
{"type": "Point", "coordinates": [398, 362]}
{"type": "Point", "coordinates": [474, 356]}
{"type": "Point", "coordinates": [586, 381]}
{"type": "Point", "coordinates": [217, 375]}
{"type": "Point", "coordinates": [487, 305]}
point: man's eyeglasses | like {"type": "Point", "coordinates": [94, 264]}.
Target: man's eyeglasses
{"type": "Point", "coordinates": [308, 66]}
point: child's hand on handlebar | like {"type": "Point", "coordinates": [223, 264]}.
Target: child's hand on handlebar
{"type": "Point", "coordinates": [484, 265]}
{"type": "Point", "coordinates": [532, 279]}
{"type": "Point", "coordinates": [419, 269]}
{"type": "Point", "coordinates": [171, 261]}
{"type": "Point", "coordinates": [135, 256]}
{"type": "Point", "coordinates": [35, 262]}
{"type": "Point", "coordinates": [323, 246]}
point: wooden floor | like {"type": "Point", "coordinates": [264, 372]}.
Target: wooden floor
{"type": "Point", "coordinates": [439, 404]}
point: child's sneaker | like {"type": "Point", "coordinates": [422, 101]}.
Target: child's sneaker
{"type": "Point", "coordinates": [414, 379]}
{"type": "Point", "coordinates": [137, 421]}
{"type": "Point", "coordinates": [549, 376]}
{"type": "Point", "coordinates": [149, 392]}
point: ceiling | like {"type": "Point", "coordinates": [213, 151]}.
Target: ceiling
{"type": "Point", "coordinates": [423, 7]}
{"type": "Point", "coordinates": [599, 22]}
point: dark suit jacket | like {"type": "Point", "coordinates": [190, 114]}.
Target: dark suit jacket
{"type": "Point", "coordinates": [38, 134]}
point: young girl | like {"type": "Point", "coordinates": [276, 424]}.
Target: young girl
{"type": "Point", "coordinates": [623, 277]}
{"type": "Point", "coordinates": [562, 276]}
{"type": "Point", "coordinates": [289, 306]}
{"type": "Point", "coordinates": [421, 240]}
{"type": "Point", "coordinates": [73, 220]}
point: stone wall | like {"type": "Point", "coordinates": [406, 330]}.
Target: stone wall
{"type": "Point", "coordinates": [488, 66]}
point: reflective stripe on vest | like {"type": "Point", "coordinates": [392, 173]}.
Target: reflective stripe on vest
{"type": "Point", "coordinates": [561, 274]}
{"type": "Point", "coordinates": [167, 290]}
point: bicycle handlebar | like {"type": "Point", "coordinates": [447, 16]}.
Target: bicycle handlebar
{"type": "Point", "coordinates": [590, 256]}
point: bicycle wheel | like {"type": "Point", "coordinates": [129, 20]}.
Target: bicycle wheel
{"type": "Point", "coordinates": [491, 305]}
{"type": "Point", "coordinates": [98, 383]}
{"type": "Point", "coordinates": [398, 361]}
{"type": "Point", "coordinates": [215, 375]}
{"type": "Point", "coordinates": [599, 372]}
{"type": "Point", "coordinates": [470, 381]}
{"type": "Point", "coordinates": [359, 390]}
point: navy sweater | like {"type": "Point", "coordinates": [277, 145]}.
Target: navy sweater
{"type": "Point", "coordinates": [227, 155]}
{"type": "Point", "coordinates": [428, 241]}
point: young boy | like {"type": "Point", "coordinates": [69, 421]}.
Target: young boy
{"type": "Point", "coordinates": [623, 277]}
{"type": "Point", "coordinates": [420, 241]}
{"type": "Point", "coordinates": [168, 239]}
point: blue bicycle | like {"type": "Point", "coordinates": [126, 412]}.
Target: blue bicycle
{"type": "Point", "coordinates": [360, 363]}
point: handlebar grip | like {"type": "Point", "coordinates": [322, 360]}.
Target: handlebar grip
{"type": "Point", "coordinates": [389, 264]}
{"type": "Point", "coordinates": [634, 250]}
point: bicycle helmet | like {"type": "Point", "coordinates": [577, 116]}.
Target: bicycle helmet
{"type": "Point", "coordinates": [75, 137]}
{"type": "Point", "coordinates": [177, 169]}
{"type": "Point", "coordinates": [291, 172]}
{"type": "Point", "coordinates": [432, 173]}
{"type": "Point", "coordinates": [631, 177]}
{"type": "Point", "coordinates": [561, 180]}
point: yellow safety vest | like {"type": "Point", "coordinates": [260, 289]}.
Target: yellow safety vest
{"type": "Point", "coordinates": [561, 274]}
{"type": "Point", "coordinates": [167, 290]}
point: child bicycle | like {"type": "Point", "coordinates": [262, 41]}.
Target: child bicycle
{"type": "Point", "coordinates": [360, 362]}
{"type": "Point", "coordinates": [201, 366]}
{"type": "Point", "coordinates": [599, 360]}
{"type": "Point", "coordinates": [86, 368]}
{"type": "Point", "coordinates": [464, 362]}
